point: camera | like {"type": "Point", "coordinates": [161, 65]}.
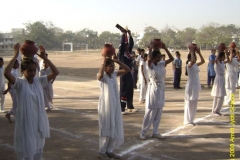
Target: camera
{"type": "Point", "coordinates": [121, 28]}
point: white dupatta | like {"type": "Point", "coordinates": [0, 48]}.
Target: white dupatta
{"type": "Point", "coordinates": [110, 124]}
{"type": "Point", "coordinates": [26, 136]}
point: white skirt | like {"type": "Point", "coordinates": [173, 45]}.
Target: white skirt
{"type": "Point", "coordinates": [155, 97]}
{"type": "Point", "coordinates": [231, 81]}
{"type": "Point", "coordinates": [218, 89]}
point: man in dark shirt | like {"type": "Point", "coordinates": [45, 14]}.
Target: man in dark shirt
{"type": "Point", "coordinates": [126, 81]}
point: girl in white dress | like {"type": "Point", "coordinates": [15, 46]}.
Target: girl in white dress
{"type": "Point", "coordinates": [47, 90]}
{"type": "Point", "coordinates": [143, 79]}
{"type": "Point", "coordinates": [2, 85]}
{"type": "Point", "coordinates": [109, 108]}
{"type": "Point", "coordinates": [12, 91]}
{"type": "Point", "coordinates": [155, 97]}
{"type": "Point", "coordinates": [231, 76]}
{"type": "Point", "coordinates": [32, 126]}
{"type": "Point", "coordinates": [218, 89]}
{"type": "Point", "coordinates": [192, 86]}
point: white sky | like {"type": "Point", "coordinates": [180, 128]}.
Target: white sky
{"type": "Point", "coordinates": [102, 15]}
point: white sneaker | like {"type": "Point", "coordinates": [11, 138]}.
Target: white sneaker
{"type": "Point", "coordinates": [48, 109]}
{"type": "Point", "coordinates": [132, 110]}
{"type": "Point", "coordinates": [142, 136]}
{"type": "Point", "coordinates": [124, 113]}
{"type": "Point", "coordinates": [159, 136]}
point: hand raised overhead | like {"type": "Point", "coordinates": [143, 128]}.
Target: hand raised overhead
{"type": "Point", "coordinates": [42, 52]}
{"type": "Point", "coordinates": [16, 48]}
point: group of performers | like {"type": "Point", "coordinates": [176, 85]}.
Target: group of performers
{"type": "Point", "coordinates": [153, 77]}
{"type": "Point", "coordinates": [32, 126]}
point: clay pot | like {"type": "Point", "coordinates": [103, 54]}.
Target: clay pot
{"type": "Point", "coordinates": [28, 49]}
{"type": "Point", "coordinates": [158, 44]}
{"type": "Point", "coordinates": [194, 45]}
{"type": "Point", "coordinates": [222, 47]}
{"type": "Point", "coordinates": [108, 50]}
{"type": "Point", "coordinates": [232, 45]}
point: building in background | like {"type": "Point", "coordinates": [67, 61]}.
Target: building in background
{"type": "Point", "coordinates": [7, 40]}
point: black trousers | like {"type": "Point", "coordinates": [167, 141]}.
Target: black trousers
{"type": "Point", "coordinates": [177, 77]}
{"type": "Point", "coordinates": [126, 91]}
{"type": "Point", "coordinates": [135, 78]}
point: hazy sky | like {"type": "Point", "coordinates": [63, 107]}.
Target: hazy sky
{"type": "Point", "coordinates": [102, 15]}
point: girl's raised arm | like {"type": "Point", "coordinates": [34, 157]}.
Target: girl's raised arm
{"type": "Point", "coordinates": [170, 57]}
{"type": "Point", "coordinates": [55, 71]}
{"type": "Point", "coordinates": [102, 67]}
{"type": "Point", "coordinates": [125, 69]}
{"type": "Point", "coordinates": [150, 48]}
{"type": "Point", "coordinates": [201, 57]}
{"type": "Point", "coordinates": [9, 67]}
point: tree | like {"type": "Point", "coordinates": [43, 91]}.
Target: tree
{"type": "Point", "coordinates": [227, 33]}
{"type": "Point", "coordinates": [107, 36]}
{"type": "Point", "coordinates": [186, 36]}
{"type": "Point", "coordinates": [168, 36]}
{"type": "Point", "coordinates": [207, 35]}
{"type": "Point", "coordinates": [42, 34]}
{"type": "Point", "coordinates": [150, 33]}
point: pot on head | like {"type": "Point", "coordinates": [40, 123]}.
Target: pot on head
{"type": "Point", "coordinates": [194, 46]}
{"type": "Point", "coordinates": [108, 49]}
{"type": "Point", "coordinates": [232, 45]}
{"type": "Point", "coordinates": [157, 44]}
{"type": "Point", "coordinates": [221, 47]}
{"type": "Point", "coordinates": [28, 49]}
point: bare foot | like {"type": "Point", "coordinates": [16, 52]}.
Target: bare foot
{"type": "Point", "coordinates": [8, 116]}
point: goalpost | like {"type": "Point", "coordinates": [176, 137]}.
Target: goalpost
{"type": "Point", "coordinates": [71, 46]}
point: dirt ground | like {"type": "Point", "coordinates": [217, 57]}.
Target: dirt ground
{"type": "Point", "coordinates": [74, 120]}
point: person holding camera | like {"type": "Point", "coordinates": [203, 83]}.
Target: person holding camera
{"type": "Point", "coordinates": [126, 80]}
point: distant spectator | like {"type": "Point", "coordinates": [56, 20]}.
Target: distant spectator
{"type": "Point", "coordinates": [177, 65]}
{"type": "Point", "coordinates": [134, 71]}
{"type": "Point", "coordinates": [210, 70]}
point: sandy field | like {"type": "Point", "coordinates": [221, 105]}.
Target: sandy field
{"type": "Point", "coordinates": [74, 119]}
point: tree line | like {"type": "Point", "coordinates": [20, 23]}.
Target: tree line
{"type": "Point", "coordinates": [52, 37]}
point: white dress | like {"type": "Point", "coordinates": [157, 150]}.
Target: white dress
{"type": "Point", "coordinates": [47, 90]}
{"type": "Point", "coordinates": [231, 77]}
{"type": "Point", "coordinates": [193, 86]}
{"type": "Point", "coordinates": [12, 91]}
{"type": "Point", "coordinates": [218, 89]}
{"type": "Point", "coordinates": [141, 79]}
{"type": "Point", "coordinates": [191, 94]}
{"type": "Point", "coordinates": [2, 88]}
{"type": "Point", "coordinates": [109, 109]}
{"type": "Point", "coordinates": [32, 125]}
{"type": "Point", "coordinates": [143, 86]}
{"type": "Point", "coordinates": [155, 97]}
